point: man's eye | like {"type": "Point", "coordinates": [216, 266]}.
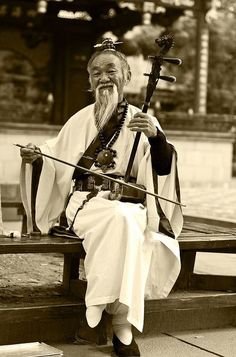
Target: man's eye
{"type": "Point", "coordinates": [112, 71]}
{"type": "Point", "coordinates": [96, 74]}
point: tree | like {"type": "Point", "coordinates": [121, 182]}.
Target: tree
{"type": "Point", "coordinates": [222, 56]}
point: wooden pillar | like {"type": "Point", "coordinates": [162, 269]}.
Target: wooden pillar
{"type": "Point", "coordinates": [202, 48]}
{"type": "Point", "coordinates": [71, 56]}
{"type": "Point", "coordinates": [59, 69]}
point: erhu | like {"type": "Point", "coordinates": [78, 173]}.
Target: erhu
{"type": "Point", "coordinates": [165, 43]}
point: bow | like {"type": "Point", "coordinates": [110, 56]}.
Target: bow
{"type": "Point", "coordinates": [121, 182]}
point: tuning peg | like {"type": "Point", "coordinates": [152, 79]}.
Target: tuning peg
{"type": "Point", "coordinates": [172, 60]}
{"type": "Point", "coordinates": [147, 74]}
{"type": "Point", "coordinates": [171, 79]}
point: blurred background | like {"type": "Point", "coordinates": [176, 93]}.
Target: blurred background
{"type": "Point", "coordinates": [44, 49]}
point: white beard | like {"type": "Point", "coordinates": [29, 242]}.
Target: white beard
{"type": "Point", "coordinates": [106, 103]}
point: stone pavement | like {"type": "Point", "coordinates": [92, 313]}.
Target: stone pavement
{"type": "Point", "coordinates": [213, 201]}
{"type": "Point", "coordinates": [216, 202]}
{"type": "Point", "coordinates": [203, 343]}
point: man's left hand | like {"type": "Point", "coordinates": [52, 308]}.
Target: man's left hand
{"type": "Point", "coordinates": [142, 122]}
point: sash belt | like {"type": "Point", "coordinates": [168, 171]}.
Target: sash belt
{"type": "Point", "coordinates": [88, 182]}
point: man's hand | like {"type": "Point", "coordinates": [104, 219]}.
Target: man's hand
{"type": "Point", "coordinates": [28, 155]}
{"type": "Point", "coordinates": [142, 122]}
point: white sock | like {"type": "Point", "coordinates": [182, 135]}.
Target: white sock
{"type": "Point", "coordinates": [120, 325]}
{"type": "Point", "coordinates": [123, 332]}
{"type": "Point", "coordinates": [94, 314]}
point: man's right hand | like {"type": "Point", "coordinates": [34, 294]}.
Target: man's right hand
{"type": "Point", "coordinates": [27, 153]}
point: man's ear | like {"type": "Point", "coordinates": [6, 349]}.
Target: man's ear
{"type": "Point", "coordinates": [128, 77]}
{"type": "Point", "coordinates": [90, 82]}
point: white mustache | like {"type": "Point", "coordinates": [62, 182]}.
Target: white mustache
{"type": "Point", "coordinates": [100, 86]}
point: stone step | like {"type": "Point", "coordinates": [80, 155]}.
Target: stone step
{"type": "Point", "coordinates": [58, 317]}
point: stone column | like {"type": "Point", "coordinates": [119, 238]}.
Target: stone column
{"type": "Point", "coordinates": [202, 53]}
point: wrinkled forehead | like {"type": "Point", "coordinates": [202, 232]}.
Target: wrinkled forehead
{"type": "Point", "coordinates": [105, 60]}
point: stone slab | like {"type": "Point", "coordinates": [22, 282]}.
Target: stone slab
{"type": "Point", "coordinates": [33, 349]}
{"type": "Point", "coordinates": [221, 342]}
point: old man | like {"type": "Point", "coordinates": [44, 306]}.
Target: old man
{"type": "Point", "coordinates": [119, 235]}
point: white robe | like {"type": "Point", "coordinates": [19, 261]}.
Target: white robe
{"type": "Point", "coordinates": [123, 236]}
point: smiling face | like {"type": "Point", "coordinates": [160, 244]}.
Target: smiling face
{"type": "Point", "coordinates": [106, 71]}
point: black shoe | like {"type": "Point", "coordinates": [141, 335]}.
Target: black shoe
{"type": "Point", "coordinates": [123, 350]}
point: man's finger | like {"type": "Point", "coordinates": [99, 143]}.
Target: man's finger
{"type": "Point", "coordinates": [139, 125]}
{"type": "Point", "coordinates": [140, 114]}
{"type": "Point", "coordinates": [27, 152]}
{"type": "Point", "coordinates": [139, 122]}
{"type": "Point", "coordinates": [31, 146]}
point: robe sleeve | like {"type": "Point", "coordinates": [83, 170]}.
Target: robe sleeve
{"type": "Point", "coordinates": [36, 172]}
{"type": "Point", "coordinates": [161, 153]}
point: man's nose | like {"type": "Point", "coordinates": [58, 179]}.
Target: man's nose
{"type": "Point", "coordinates": [104, 78]}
